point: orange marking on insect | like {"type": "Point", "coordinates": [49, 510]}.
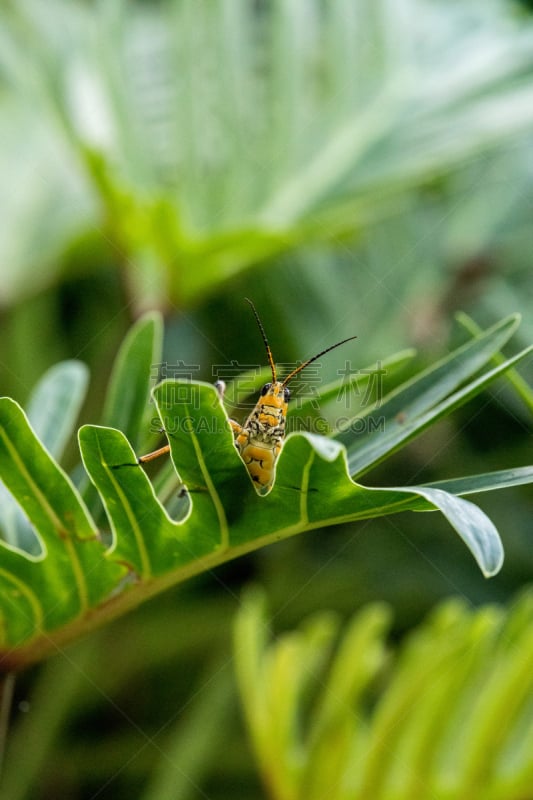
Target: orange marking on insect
{"type": "Point", "coordinates": [260, 440]}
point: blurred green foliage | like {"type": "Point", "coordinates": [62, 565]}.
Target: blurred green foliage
{"type": "Point", "coordinates": [355, 167]}
{"type": "Point", "coordinates": [67, 571]}
{"type": "Point", "coordinates": [446, 716]}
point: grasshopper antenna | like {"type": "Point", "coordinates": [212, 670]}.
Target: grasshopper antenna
{"type": "Point", "coordinates": [291, 375]}
{"type": "Point", "coordinates": [265, 340]}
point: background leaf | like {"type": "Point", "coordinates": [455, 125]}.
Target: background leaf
{"type": "Point", "coordinates": [428, 724]}
{"type": "Point", "coordinates": [53, 409]}
{"type": "Point", "coordinates": [135, 370]}
{"type": "Point", "coordinates": [336, 123]}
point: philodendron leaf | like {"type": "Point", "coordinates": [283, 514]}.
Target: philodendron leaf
{"type": "Point", "coordinates": [53, 408]}
{"type": "Point", "coordinates": [75, 581]}
{"type": "Point", "coordinates": [312, 489]}
{"type": "Point", "coordinates": [55, 403]}
{"type": "Point", "coordinates": [133, 374]}
{"type": "Point", "coordinates": [127, 398]}
{"type": "Point", "coordinates": [70, 576]}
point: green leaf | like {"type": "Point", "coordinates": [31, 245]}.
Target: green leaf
{"type": "Point", "coordinates": [380, 117]}
{"type": "Point", "coordinates": [312, 489]}
{"type": "Point", "coordinates": [519, 384]}
{"type": "Point", "coordinates": [55, 403]}
{"type": "Point", "coordinates": [135, 372]}
{"type": "Point", "coordinates": [361, 654]}
{"type": "Point", "coordinates": [353, 383]}
{"type": "Point", "coordinates": [402, 433]}
{"type": "Point", "coordinates": [53, 409]}
{"type": "Point", "coordinates": [421, 401]}
{"type": "Point", "coordinates": [74, 582]}
{"type": "Point", "coordinates": [70, 576]}
{"type": "Point", "coordinates": [449, 716]}
{"type": "Point", "coordinates": [501, 479]}
{"type": "Point", "coordinates": [472, 525]}
{"type": "Point", "coordinates": [273, 682]}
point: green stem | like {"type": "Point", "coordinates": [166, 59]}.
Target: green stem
{"type": "Point", "coordinates": [7, 687]}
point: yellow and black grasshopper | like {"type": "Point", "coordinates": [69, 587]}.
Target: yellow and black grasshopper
{"type": "Point", "coordinates": [260, 439]}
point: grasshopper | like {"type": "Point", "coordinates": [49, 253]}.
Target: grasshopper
{"type": "Point", "coordinates": [260, 439]}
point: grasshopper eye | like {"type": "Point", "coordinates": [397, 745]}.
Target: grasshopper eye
{"type": "Point", "coordinates": [265, 388]}
{"type": "Point", "coordinates": [287, 394]}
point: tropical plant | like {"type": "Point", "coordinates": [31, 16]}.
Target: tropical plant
{"type": "Point", "coordinates": [266, 127]}
{"type": "Point", "coordinates": [202, 509]}
{"type": "Point", "coordinates": [361, 166]}
{"type": "Point", "coordinates": [447, 714]}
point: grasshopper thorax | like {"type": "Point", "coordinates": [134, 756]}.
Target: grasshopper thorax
{"type": "Point", "coordinates": [266, 422]}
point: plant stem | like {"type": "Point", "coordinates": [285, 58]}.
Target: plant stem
{"type": "Point", "coordinates": [7, 686]}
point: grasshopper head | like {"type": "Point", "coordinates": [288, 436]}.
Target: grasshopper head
{"type": "Point", "coordinates": [276, 395]}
